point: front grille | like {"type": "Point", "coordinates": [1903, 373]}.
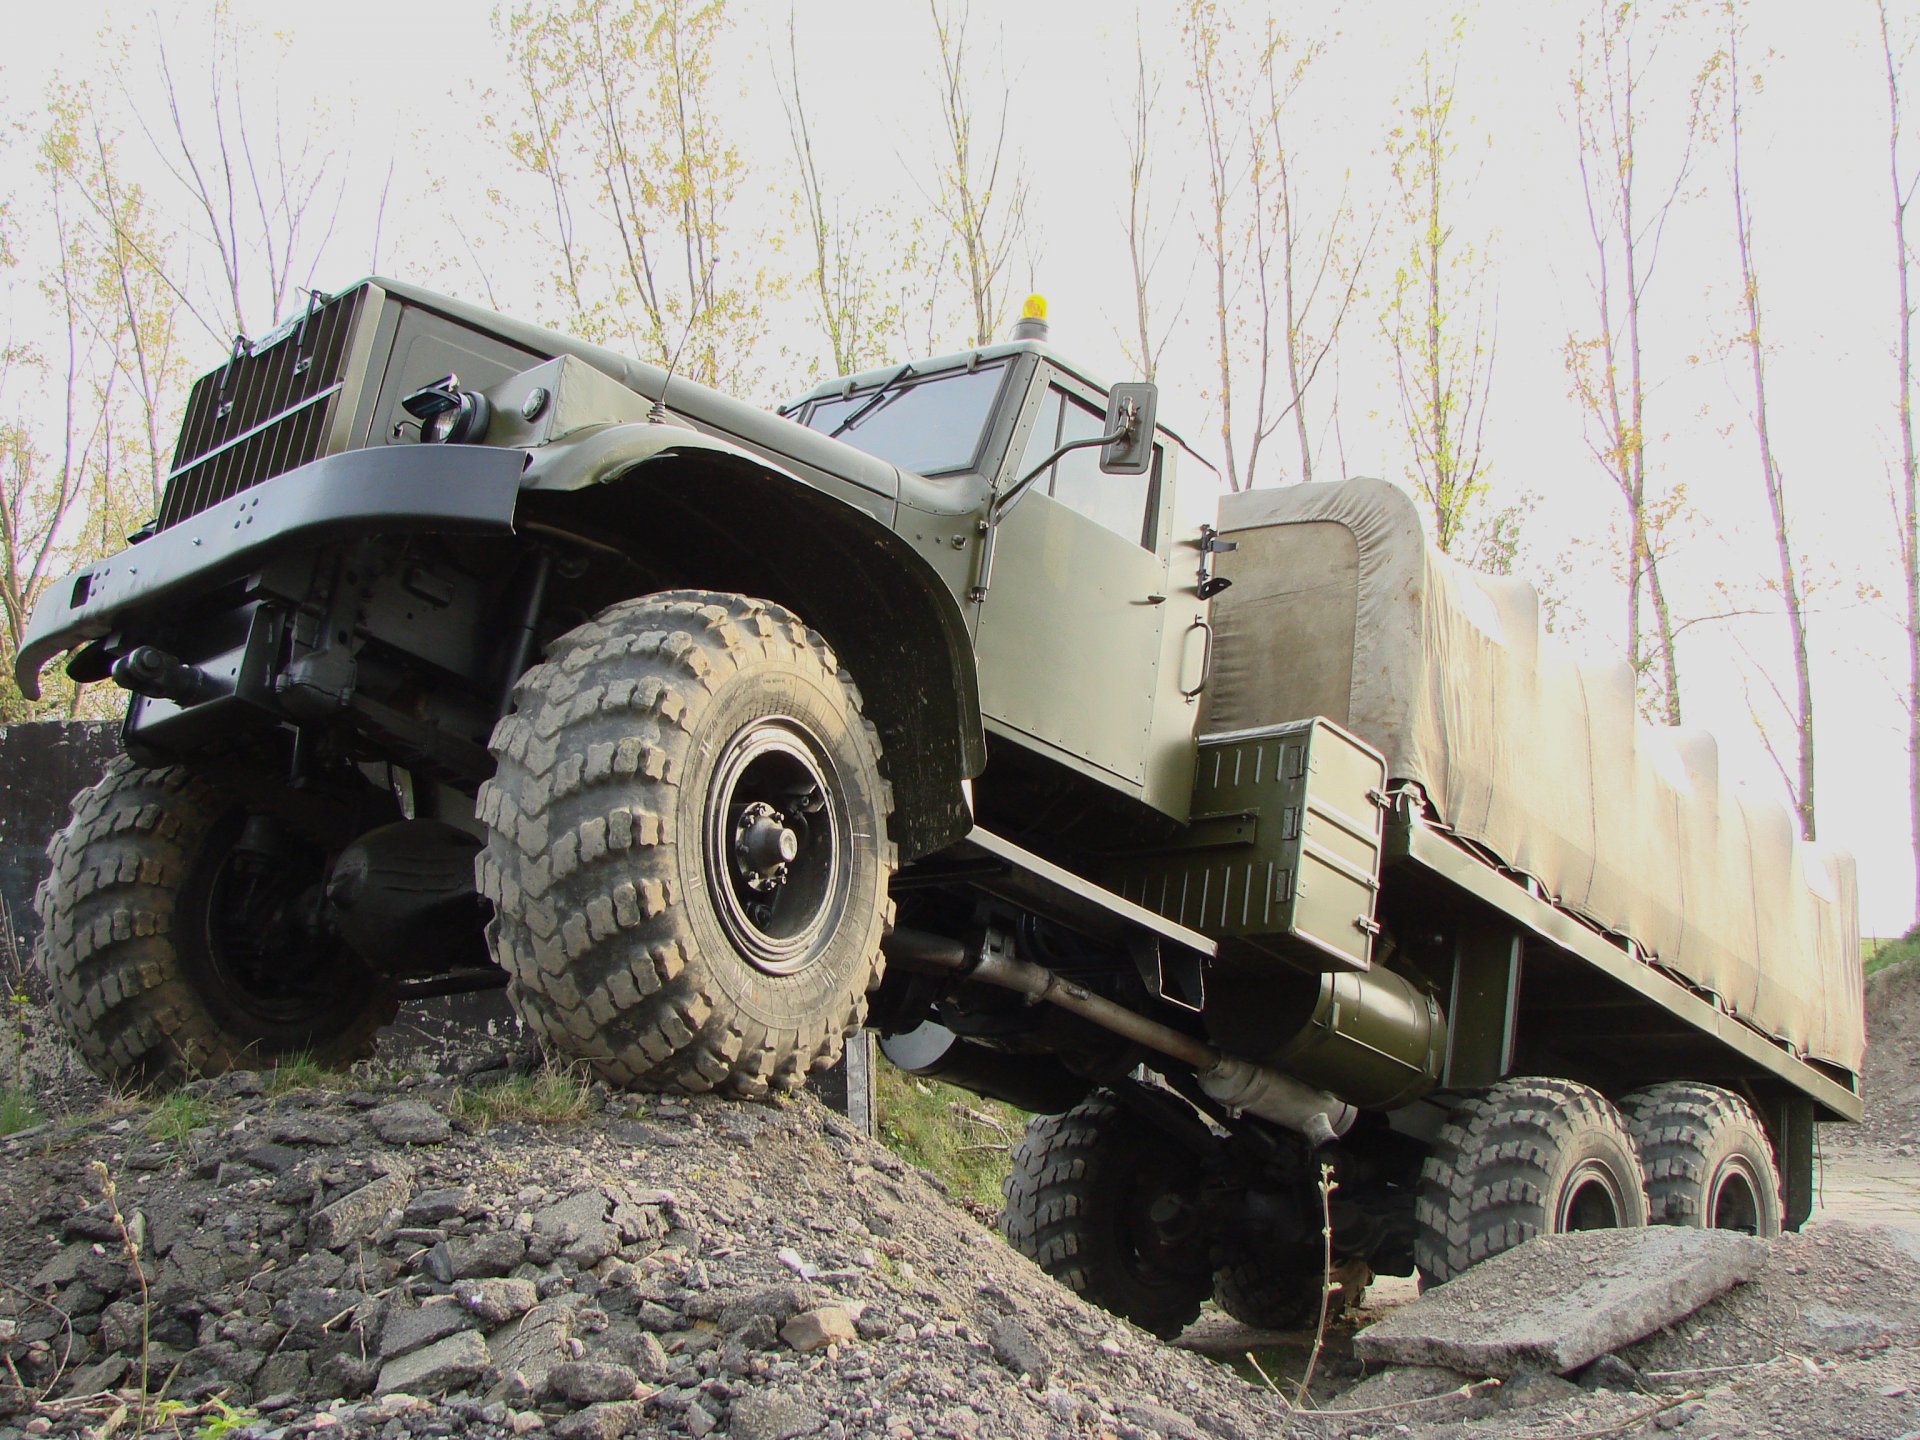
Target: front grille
{"type": "Point", "coordinates": [270, 408]}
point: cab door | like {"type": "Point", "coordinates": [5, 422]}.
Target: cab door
{"type": "Point", "coordinates": [1069, 635]}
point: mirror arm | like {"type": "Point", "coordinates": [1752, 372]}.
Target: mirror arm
{"type": "Point", "coordinates": [1005, 502]}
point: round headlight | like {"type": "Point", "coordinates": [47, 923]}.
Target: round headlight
{"type": "Point", "coordinates": [464, 423]}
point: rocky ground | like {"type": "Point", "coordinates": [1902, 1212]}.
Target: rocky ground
{"type": "Point", "coordinates": [461, 1250]}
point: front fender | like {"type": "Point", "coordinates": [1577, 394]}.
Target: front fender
{"type": "Point", "coordinates": [703, 512]}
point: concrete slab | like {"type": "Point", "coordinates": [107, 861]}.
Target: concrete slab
{"type": "Point", "coordinates": [1560, 1301]}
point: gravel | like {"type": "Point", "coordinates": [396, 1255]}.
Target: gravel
{"type": "Point", "coordinates": [752, 1271]}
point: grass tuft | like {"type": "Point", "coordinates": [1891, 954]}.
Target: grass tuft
{"type": "Point", "coordinates": [175, 1116]}
{"type": "Point", "coordinates": [552, 1095]}
{"type": "Point", "coordinates": [964, 1139]}
{"type": "Point", "coordinates": [303, 1072]}
{"type": "Point", "coordinates": [17, 1110]}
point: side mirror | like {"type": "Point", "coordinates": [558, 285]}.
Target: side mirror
{"type": "Point", "coordinates": [1130, 412]}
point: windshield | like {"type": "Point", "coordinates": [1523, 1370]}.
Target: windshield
{"type": "Point", "coordinates": [929, 425]}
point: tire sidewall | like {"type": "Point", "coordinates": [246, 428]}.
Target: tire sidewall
{"type": "Point", "coordinates": [1733, 1153]}
{"type": "Point", "coordinates": [1591, 1154]}
{"type": "Point", "coordinates": [767, 687]}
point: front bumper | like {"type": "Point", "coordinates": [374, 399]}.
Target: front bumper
{"type": "Point", "coordinates": [385, 490]}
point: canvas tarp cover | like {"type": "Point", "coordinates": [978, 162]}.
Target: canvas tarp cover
{"type": "Point", "coordinates": [1341, 607]}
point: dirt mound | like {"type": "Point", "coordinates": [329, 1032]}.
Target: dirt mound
{"type": "Point", "coordinates": [1891, 1080]}
{"type": "Point", "coordinates": [349, 1262]}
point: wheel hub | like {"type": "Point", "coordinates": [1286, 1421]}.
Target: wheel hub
{"type": "Point", "coordinates": [763, 847]}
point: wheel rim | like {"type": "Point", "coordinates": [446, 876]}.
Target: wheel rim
{"type": "Point", "coordinates": [1734, 1201]}
{"type": "Point", "coordinates": [1590, 1200]}
{"type": "Point", "coordinates": [260, 958]}
{"type": "Point", "coordinates": [776, 848]}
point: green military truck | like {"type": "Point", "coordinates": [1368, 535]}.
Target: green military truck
{"type": "Point", "coordinates": [1242, 838]}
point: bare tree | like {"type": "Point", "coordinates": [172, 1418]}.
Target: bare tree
{"type": "Point", "coordinates": [980, 193]}
{"type": "Point", "coordinates": [1282, 287]}
{"type": "Point", "coordinates": [856, 316]}
{"type": "Point", "coordinates": [1788, 582]}
{"type": "Point", "coordinates": [1606, 362]}
{"type": "Point", "coordinates": [1902, 183]}
{"type": "Point", "coordinates": [617, 124]}
{"type": "Point", "coordinates": [265, 195]}
{"type": "Point", "coordinates": [1146, 240]}
{"type": "Point", "coordinates": [1435, 323]}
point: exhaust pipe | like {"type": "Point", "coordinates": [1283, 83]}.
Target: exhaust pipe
{"type": "Point", "coordinates": [1238, 1084]}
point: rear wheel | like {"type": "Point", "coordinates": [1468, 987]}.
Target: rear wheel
{"type": "Point", "coordinates": [1532, 1156]}
{"type": "Point", "coordinates": [1094, 1200]}
{"type": "Point", "coordinates": [687, 847]}
{"type": "Point", "coordinates": [1707, 1159]}
{"type": "Point", "coordinates": [181, 935]}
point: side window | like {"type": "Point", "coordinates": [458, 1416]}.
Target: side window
{"type": "Point", "coordinates": [1118, 502]}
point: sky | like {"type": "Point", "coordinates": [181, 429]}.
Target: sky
{"type": "Point", "coordinates": [408, 91]}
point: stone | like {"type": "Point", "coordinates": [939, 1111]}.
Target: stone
{"type": "Point", "coordinates": [409, 1330]}
{"type": "Point", "coordinates": [436, 1207]}
{"type": "Point", "coordinates": [496, 1301]}
{"type": "Point", "coordinates": [410, 1122]}
{"type": "Point", "coordinates": [484, 1255]}
{"type": "Point", "coordinates": [779, 1303]}
{"type": "Point", "coordinates": [273, 1159]}
{"type": "Point", "coordinates": [346, 1375]}
{"type": "Point", "coordinates": [1610, 1372]}
{"type": "Point", "coordinates": [1559, 1301]}
{"type": "Point", "coordinates": [450, 1364]}
{"type": "Point", "coordinates": [532, 1345]}
{"type": "Point", "coordinates": [64, 1268]}
{"type": "Point", "coordinates": [1014, 1347]}
{"type": "Point", "coordinates": [590, 1382]}
{"type": "Point", "coordinates": [812, 1330]}
{"type": "Point", "coordinates": [99, 1376]}
{"type": "Point", "coordinates": [357, 1215]}
{"type": "Point", "coordinates": [607, 1421]}
{"type": "Point", "coordinates": [700, 1421]}
{"type": "Point", "coordinates": [288, 1373]}
{"type": "Point", "coordinates": [578, 1228]}
{"type": "Point", "coordinates": [650, 1358]}
{"type": "Point", "coordinates": [1529, 1387]}
{"type": "Point", "coordinates": [310, 1127]}
{"type": "Point", "coordinates": [771, 1415]}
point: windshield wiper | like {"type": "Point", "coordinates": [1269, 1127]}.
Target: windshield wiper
{"type": "Point", "coordinates": [872, 401]}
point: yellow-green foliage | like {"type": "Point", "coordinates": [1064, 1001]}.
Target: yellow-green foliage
{"type": "Point", "coordinates": [1882, 954]}
{"type": "Point", "coordinates": [961, 1137]}
{"type": "Point", "coordinates": [552, 1095]}
{"type": "Point", "coordinates": [16, 1110]}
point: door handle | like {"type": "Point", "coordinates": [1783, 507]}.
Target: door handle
{"type": "Point", "coordinates": [1202, 624]}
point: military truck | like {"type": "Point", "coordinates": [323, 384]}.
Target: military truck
{"type": "Point", "coordinates": [1266, 856]}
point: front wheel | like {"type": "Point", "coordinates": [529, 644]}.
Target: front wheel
{"type": "Point", "coordinates": [687, 847]}
{"type": "Point", "coordinates": [180, 936]}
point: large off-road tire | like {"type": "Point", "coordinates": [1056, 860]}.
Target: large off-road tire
{"type": "Point", "coordinates": [1284, 1294]}
{"type": "Point", "coordinates": [1707, 1158]}
{"type": "Point", "coordinates": [1078, 1205]}
{"type": "Point", "coordinates": [170, 950]}
{"type": "Point", "coordinates": [1532, 1156]}
{"type": "Point", "coordinates": [687, 847]}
